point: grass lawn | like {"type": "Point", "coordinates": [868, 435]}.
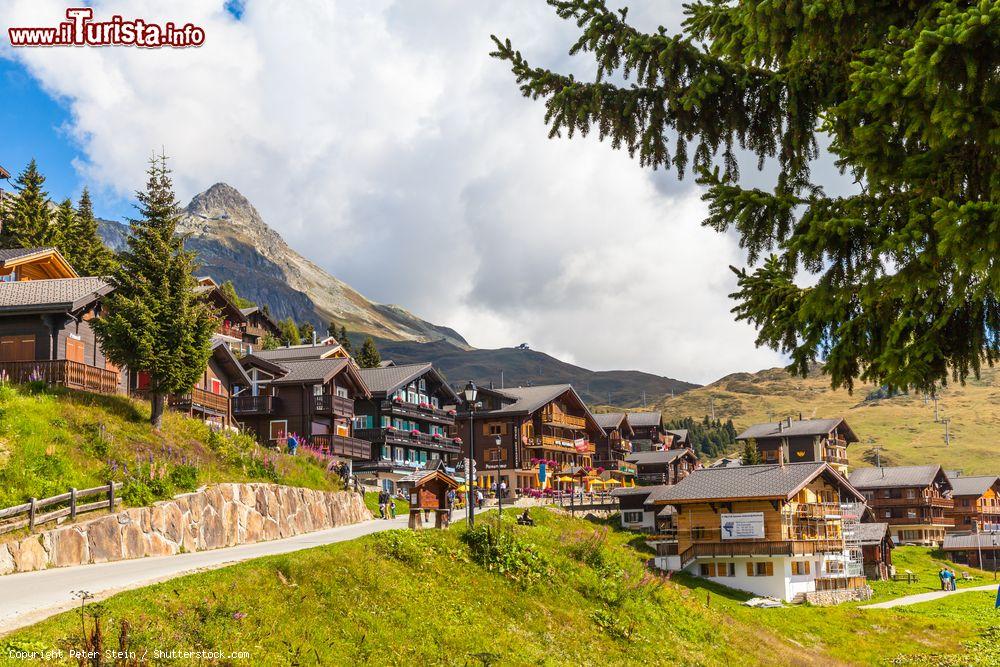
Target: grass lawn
{"type": "Point", "coordinates": [925, 564]}
{"type": "Point", "coordinates": [371, 502]}
{"type": "Point", "coordinates": [54, 439]}
{"type": "Point", "coordinates": [565, 592]}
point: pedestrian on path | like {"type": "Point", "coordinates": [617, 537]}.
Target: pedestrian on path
{"type": "Point", "coordinates": [479, 498]}
{"type": "Point", "coordinates": [943, 576]}
{"type": "Point", "coordinates": [383, 500]}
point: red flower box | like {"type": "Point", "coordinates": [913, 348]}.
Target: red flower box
{"type": "Point", "coordinates": [415, 433]}
{"type": "Point", "coordinates": [457, 441]}
{"type": "Point", "coordinates": [397, 399]}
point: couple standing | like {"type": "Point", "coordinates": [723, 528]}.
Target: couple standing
{"type": "Point", "coordinates": [947, 579]}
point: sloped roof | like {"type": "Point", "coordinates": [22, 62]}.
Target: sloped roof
{"type": "Point", "coordinates": [634, 490]}
{"type": "Point", "coordinates": [872, 533]}
{"type": "Point", "coordinates": [745, 482]}
{"type": "Point", "coordinates": [609, 420]}
{"type": "Point", "coordinates": [665, 456]}
{"type": "Point", "coordinates": [54, 295]}
{"type": "Point", "coordinates": [419, 477]}
{"type": "Point", "coordinates": [796, 428]}
{"type": "Point", "coordinates": [310, 370]}
{"type": "Point", "coordinates": [528, 399]}
{"type": "Point", "coordinates": [972, 486]}
{"type": "Point", "coordinates": [8, 254]}
{"type": "Point", "coordinates": [879, 478]}
{"type": "Point", "coordinates": [387, 379]}
{"type": "Point", "coordinates": [297, 352]}
{"type": "Point", "coordinates": [970, 541]}
{"type": "Point", "coordinates": [645, 418]}
{"type": "Point", "coordinates": [680, 433]}
{"type": "Point", "coordinates": [224, 355]}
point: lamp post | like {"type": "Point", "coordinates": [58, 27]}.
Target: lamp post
{"type": "Point", "coordinates": [469, 394]}
{"type": "Point", "coordinates": [499, 490]}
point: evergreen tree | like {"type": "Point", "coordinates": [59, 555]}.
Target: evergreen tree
{"type": "Point", "coordinates": [369, 356]}
{"type": "Point", "coordinates": [154, 322]}
{"type": "Point", "coordinates": [345, 341]}
{"type": "Point", "coordinates": [27, 219]}
{"type": "Point", "coordinates": [229, 291]}
{"type": "Point", "coordinates": [306, 331]}
{"type": "Point", "coordinates": [907, 288]}
{"type": "Point", "coordinates": [750, 456]}
{"type": "Point", "coordinates": [331, 330]}
{"type": "Point", "coordinates": [64, 228]}
{"type": "Point", "coordinates": [289, 332]}
{"type": "Point", "coordinates": [269, 342]}
{"type": "Point", "coordinates": [86, 251]}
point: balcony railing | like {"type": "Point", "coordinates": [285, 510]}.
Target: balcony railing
{"type": "Point", "coordinates": [342, 445]}
{"type": "Point", "coordinates": [759, 548]}
{"type": "Point", "coordinates": [561, 444]}
{"type": "Point", "coordinates": [254, 405]}
{"type": "Point", "coordinates": [200, 400]}
{"type": "Point", "coordinates": [840, 583]}
{"type": "Point", "coordinates": [615, 466]}
{"type": "Point", "coordinates": [554, 417]}
{"type": "Point", "coordinates": [917, 520]}
{"type": "Point", "coordinates": [415, 411]}
{"type": "Point", "coordinates": [407, 439]}
{"type": "Point", "coordinates": [333, 404]}
{"type": "Point", "coordinates": [71, 374]}
{"type": "Point", "coordinates": [230, 330]}
{"type": "Point", "coordinates": [919, 501]}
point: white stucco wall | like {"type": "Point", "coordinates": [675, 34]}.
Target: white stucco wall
{"type": "Point", "coordinates": [648, 520]}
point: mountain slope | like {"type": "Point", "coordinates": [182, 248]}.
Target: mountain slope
{"type": "Point", "coordinates": [234, 243]}
{"type": "Point", "coordinates": [903, 425]}
{"type": "Point", "coordinates": [523, 367]}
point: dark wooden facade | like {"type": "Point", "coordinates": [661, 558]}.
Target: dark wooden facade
{"type": "Point", "coordinates": [977, 503]}
{"type": "Point", "coordinates": [802, 440]}
{"type": "Point", "coordinates": [915, 501]}
{"type": "Point", "coordinates": [612, 445]}
{"type": "Point", "coordinates": [663, 467]}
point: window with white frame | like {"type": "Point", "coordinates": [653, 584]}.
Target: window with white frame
{"type": "Point", "coordinates": [633, 516]}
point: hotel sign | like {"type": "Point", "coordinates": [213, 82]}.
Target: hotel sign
{"type": "Point", "coordinates": [743, 526]}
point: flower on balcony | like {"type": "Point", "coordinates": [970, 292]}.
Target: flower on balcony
{"type": "Point", "coordinates": [425, 404]}
{"type": "Point", "coordinates": [452, 412]}
{"type": "Point", "coordinates": [390, 429]}
{"type": "Point", "coordinates": [600, 470]}
{"type": "Point", "coordinates": [397, 399]}
{"type": "Point", "coordinates": [457, 441]}
{"type": "Point", "coordinates": [436, 437]}
{"type": "Point", "coordinates": [415, 433]}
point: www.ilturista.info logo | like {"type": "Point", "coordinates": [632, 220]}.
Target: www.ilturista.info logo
{"type": "Point", "coordinates": [82, 30]}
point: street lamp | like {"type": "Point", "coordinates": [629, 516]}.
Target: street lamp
{"type": "Point", "coordinates": [469, 394]}
{"type": "Point", "coordinates": [499, 490]}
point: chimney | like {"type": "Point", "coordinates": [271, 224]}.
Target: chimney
{"type": "Point", "coordinates": [788, 422]}
{"type": "Point", "coordinates": [314, 336]}
{"type": "Point", "coordinates": [781, 427]}
{"type": "Point", "coordinates": [800, 416]}
{"type": "Point", "coordinates": [781, 457]}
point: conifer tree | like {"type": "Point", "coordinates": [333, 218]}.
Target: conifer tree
{"type": "Point", "coordinates": [86, 251]}
{"type": "Point", "coordinates": [306, 331]}
{"type": "Point", "coordinates": [229, 291]}
{"type": "Point", "coordinates": [64, 227]}
{"type": "Point", "coordinates": [345, 341]}
{"type": "Point", "coordinates": [27, 218]}
{"type": "Point", "coordinates": [289, 332]}
{"type": "Point", "coordinates": [154, 322]}
{"type": "Point", "coordinates": [369, 356]}
{"type": "Point", "coordinates": [750, 455]}
{"type": "Point", "coordinates": [905, 284]}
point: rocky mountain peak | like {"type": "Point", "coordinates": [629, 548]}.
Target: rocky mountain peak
{"type": "Point", "coordinates": [222, 205]}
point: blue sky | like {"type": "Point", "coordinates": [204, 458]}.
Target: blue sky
{"type": "Point", "coordinates": [34, 125]}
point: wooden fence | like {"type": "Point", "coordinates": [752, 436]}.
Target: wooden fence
{"type": "Point", "coordinates": [9, 522]}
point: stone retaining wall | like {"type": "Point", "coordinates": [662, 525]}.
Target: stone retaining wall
{"type": "Point", "coordinates": [218, 516]}
{"type": "Point", "coordinates": [828, 598]}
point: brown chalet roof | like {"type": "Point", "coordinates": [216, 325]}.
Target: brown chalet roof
{"type": "Point", "coordinates": [797, 428]}
{"type": "Point", "coordinates": [297, 352]}
{"type": "Point", "coordinates": [645, 419]}
{"type": "Point", "coordinates": [972, 486]}
{"type": "Point", "coordinates": [747, 482]}
{"type": "Point", "coordinates": [386, 379]}
{"type": "Point", "coordinates": [529, 399]}
{"type": "Point", "coordinates": [225, 357]}
{"type": "Point", "coordinates": [47, 296]}
{"type": "Point", "coordinates": [665, 456]}
{"type": "Point", "coordinates": [4, 174]}
{"type": "Point", "coordinates": [317, 371]}
{"type": "Point", "coordinates": [971, 541]}
{"type": "Point", "coordinates": [898, 476]}
{"type": "Point", "coordinates": [872, 533]}
{"type": "Point", "coordinates": [18, 256]}
{"type": "Point", "coordinates": [607, 420]}
{"type": "Point", "coordinates": [680, 433]}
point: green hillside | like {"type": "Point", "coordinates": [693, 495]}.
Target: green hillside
{"type": "Point", "coordinates": [903, 426]}
{"type": "Point", "coordinates": [53, 439]}
{"type": "Point", "coordinates": [564, 592]}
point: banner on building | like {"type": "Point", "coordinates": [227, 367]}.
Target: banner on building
{"type": "Point", "coordinates": [743, 526]}
{"type": "Point", "coordinates": [581, 445]}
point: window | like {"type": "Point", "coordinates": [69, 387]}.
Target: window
{"type": "Point", "coordinates": [278, 429]}
{"type": "Point", "coordinates": [800, 567]}
{"type": "Point", "coordinates": [834, 567]}
{"type": "Point", "coordinates": [496, 455]}
{"type": "Point", "coordinates": [725, 569]}
{"type": "Point", "coordinates": [707, 569]}
{"type": "Point", "coordinates": [341, 391]}
{"type": "Point", "coordinates": [435, 403]}
{"type": "Point", "coordinates": [760, 569]}
{"type": "Point", "coordinates": [495, 428]}
{"type": "Point", "coordinates": [317, 390]}
{"type": "Point", "coordinates": [400, 456]}
{"type": "Point", "coordinates": [215, 386]}
{"type": "Point", "coordinates": [385, 452]}
{"type": "Point", "coordinates": [422, 385]}
{"type": "Point", "coordinates": [697, 533]}
{"type": "Point", "coordinates": [633, 516]}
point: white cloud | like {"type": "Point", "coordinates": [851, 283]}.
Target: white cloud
{"type": "Point", "coordinates": [382, 141]}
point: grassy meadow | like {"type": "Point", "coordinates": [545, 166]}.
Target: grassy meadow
{"type": "Point", "coordinates": [564, 592]}
{"type": "Point", "coordinates": [903, 426]}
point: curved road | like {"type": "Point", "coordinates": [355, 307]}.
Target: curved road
{"type": "Point", "coordinates": [924, 597]}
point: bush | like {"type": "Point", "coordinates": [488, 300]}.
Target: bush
{"type": "Point", "coordinates": [500, 550]}
{"type": "Point", "coordinates": [404, 546]}
{"type": "Point", "coordinates": [184, 477]}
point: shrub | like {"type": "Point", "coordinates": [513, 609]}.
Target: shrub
{"type": "Point", "coordinates": [500, 550]}
{"type": "Point", "coordinates": [404, 546]}
{"type": "Point", "coordinates": [184, 477]}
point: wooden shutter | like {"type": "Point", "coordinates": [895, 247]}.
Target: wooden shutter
{"type": "Point", "coordinates": [750, 571]}
{"type": "Point", "coordinates": [74, 350]}
{"type": "Point", "coordinates": [769, 568]}
{"type": "Point", "coordinates": [17, 348]}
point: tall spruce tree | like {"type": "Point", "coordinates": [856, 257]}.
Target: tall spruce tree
{"type": "Point", "coordinates": [306, 331]}
{"type": "Point", "coordinates": [750, 456]}
{"type": "Point", "coordinates": [906, 277]}
{"type": "Point", "coordinates": [153, 322]}
{"type": "Point", "coordinates": [64, 224]}
{"type": "Point", "coordinates": [27, 218]}
{"type": "Point", "coordinates": [369, 356]}
{"type": "Point", "coordinates": [86, 251]}
{"type": "Point", "coordinates": [289, 332]}
{"type": "Point", "coordinates": [345, 341]}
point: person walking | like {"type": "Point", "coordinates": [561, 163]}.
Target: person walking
{"type": "Point", "coordinates": [479, 498]}
{"type": "Point", "coordinates": [951, 580]}
{"type": "Point", "coordinates": [383, 500]}
{"type": "Point", "coordinates": [450, 497]}
{"type": "Point", "coordinates": [392, 508]}
{"type": "Point", "coordinates": [503, 490]}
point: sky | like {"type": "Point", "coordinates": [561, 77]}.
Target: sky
{"type": "Point", "coordinates": [383, 143]}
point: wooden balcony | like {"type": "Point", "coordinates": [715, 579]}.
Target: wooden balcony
{"type": "Point", "coordinates": [616, 466]}
{"type": "Point", "coordinates": [561, 444]}
{"type": "Point", "coordinates": [342, 445]}
{"type": "Point", "coordinates": [760, 548]}
{"type": "Point", "coordinates": [553, 417]}
{"type": "Point", "coordinates": [334, 405]}
{"type": "Point", "coordinates": [199, 400]}
{"type": "Point", "coordinates": [428, 413]}
{"type": "Point", "coordinates": [71, 374]}
{"type": "Point", "coordinates": [399, 438]}
{"type": "Point", "coordinates": [230, 330]}
{"type": "Point", "coordinates": [944, 521]}
{"type": "Point", "coordinates": [919, 501]}
{"type": "Point", "coordinates": [254, 405]}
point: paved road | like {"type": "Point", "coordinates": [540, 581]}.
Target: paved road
{"type": "Point", "coordinates": [925, 597]}
{"type": "Point", "coordinates": [32, 596]}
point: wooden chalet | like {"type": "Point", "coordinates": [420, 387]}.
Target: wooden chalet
{"type": "Point", "coordinates": [258, 325]}
{"type": "Point", "coordinates": [915, 501]}
{"type": "Point", "coordinates": [876, 547]}
{"type": "Point", "coordinates": [981, 550]}
{"type": "Point", "coordinates": [977, 503]}
{"type": "Point", "coordinates": [772, 530]}
{"type": "Point", "coordinates": [637, 512]}
{"type": "Point", "coordinates": [408, 419]}
{"type": "Point", "coordinates": [526, 435]}
{"type": "Point", "coordinates": [648, 433]}
{"type": "Point", "coordinates": [232, 322]}
{"type": "Point", "coordinates": [45, 314]}
{"type": "Point", "coordinates": [427, 491]}
{"type": "Point", "coordinates": [795, 441]}
{"type": "Point", "coordinates": [310, 398]}
{"type": "Point", "coordinates": [612, 446]}
{"type": "Point", "coordinates": [210, 398]}
{"type": "Point", "coordinates": [668, 466]}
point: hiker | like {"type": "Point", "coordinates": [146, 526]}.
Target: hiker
{"type": "Point", "coordinates": [503, 489]}
{"type": "Point", "coordinates": [951, 580]}
{"type": "Point", "coordinates": [450, 498]}
{"type": "Point", "coordinates": [943, 576]}
{"type": "Point", "coordinates": [383, 500]}
{"type": "Point", "coordinates": [479, 498]}
{"type": "Point", "coordinates": [392, 508]}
